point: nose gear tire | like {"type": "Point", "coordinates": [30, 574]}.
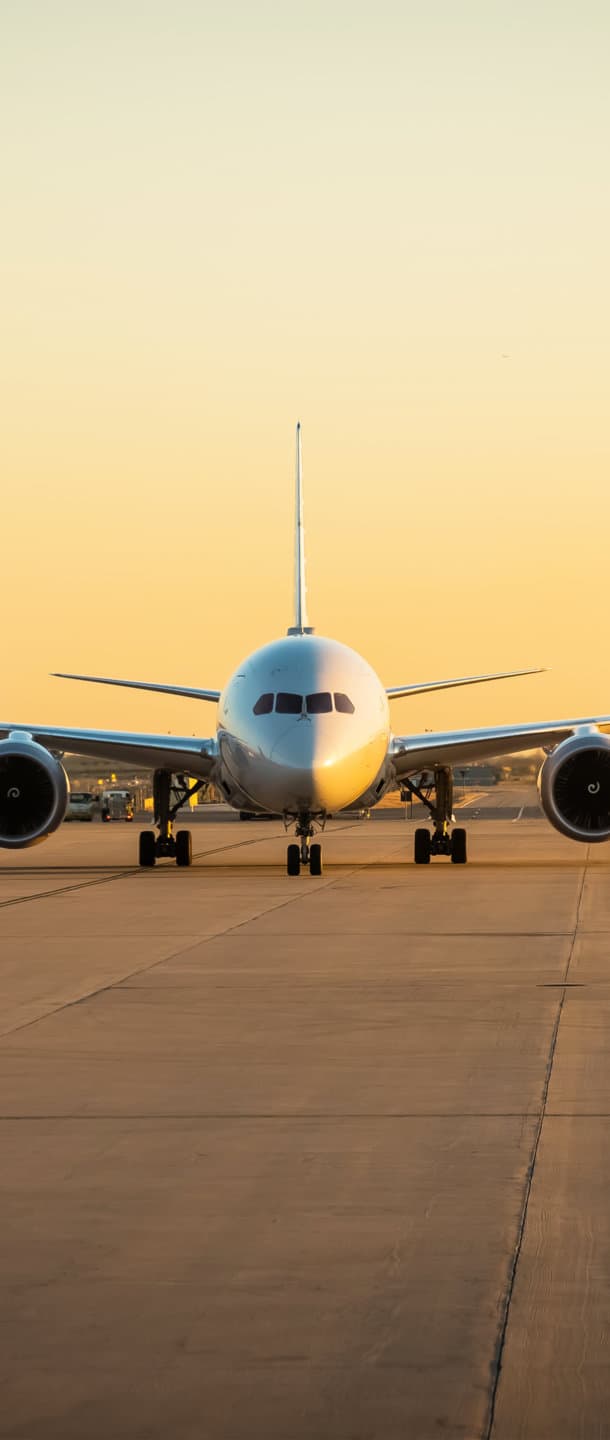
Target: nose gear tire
{"type": "Point", "coordinates": [315, 859]}
{"type": "Point", "coordinates": [293, 860]}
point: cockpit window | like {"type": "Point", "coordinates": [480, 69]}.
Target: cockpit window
{"type": "Point", "coordinates": [287, 704]}
{"type": "Point", "coordinates": [319, 704]}
{"type": "Point", "coordinates": [264, 705]}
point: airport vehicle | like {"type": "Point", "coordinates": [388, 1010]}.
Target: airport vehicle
{"type": "Point", "coordinates": [303, 730]}
{"type": "Point", "coordinates": [81, 805]}
{"type": "Point", "coordinates": [116, 805]}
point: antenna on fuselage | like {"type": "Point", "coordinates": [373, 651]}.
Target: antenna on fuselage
{"type": "Point", "coordinates": [300, 626]}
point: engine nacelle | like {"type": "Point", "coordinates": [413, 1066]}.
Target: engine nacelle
{"type": "Point", "coordinates": [574, 787]}
{"type": "Point", "coordinates": [34, 790]}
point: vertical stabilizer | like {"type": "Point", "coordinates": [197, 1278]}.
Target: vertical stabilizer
{"type": "Point", "coordinates": [300, 627]}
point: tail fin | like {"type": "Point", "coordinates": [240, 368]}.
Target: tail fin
{"type": "Point", "coordinates": [300, 626]}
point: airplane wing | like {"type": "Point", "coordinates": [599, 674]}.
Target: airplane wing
{"type": "Point", "coordinates": [178, 753]}
{"type": "Point", "coordinates": [398, 692]}
{"type": "Point", "coordinates": [412, 753]}
{"type": "Point", "coordinates": [183, 690]}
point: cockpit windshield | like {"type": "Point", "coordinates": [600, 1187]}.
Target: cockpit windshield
{"type": "Point", "coordinates": [319, 704]}
{"type": "Point", "coordinates": [287, 704]}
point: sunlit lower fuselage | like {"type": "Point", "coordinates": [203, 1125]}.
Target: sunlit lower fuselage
{"type": "Point", "coordinates": [305, 751]}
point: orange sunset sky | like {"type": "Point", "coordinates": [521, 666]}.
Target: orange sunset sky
{"type": "Point", "coordinates": [390, 221]}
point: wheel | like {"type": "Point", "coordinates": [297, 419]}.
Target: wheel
{"type": "Point", "coordinates": [315, 859]}
{"type": "Point", "coordinates": [245, 815]}
{"type": "Point", "coordinates": [458, 847]}
{"type": "Point", "coordinates": [422, 847]}
{"type": "Point", "coordinates": [293, 860]}
{"type": "Point", "coordinates": [147, 847]}
{"type": "Point", "coordinates": [184, 848]}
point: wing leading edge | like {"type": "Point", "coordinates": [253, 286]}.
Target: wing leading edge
{"type": "Point", "coordinates": [412, 753]}
{"type": "Point", "coordinates": [398, 692]}
{"type": "Point", "coordinates": [178, 753]}
{"type": "Point", "coordinates": [186, 691]}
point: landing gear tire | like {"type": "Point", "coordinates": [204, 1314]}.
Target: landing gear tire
{"type": "Point", "coordinates": [184, 848]}
{"type": "Point", "coordinates": [422, 847]}
{"type": "Point", "coordinates": [293, 860]}
{"type": "Point", "coordinates": [315, 859]}
{"type": "Point", "coordinates": [458, 847]}
{"type": "Point", "coordinates": [147, 854]}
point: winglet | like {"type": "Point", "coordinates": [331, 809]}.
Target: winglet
{"type": "Point", "coordinates": [300, 626]}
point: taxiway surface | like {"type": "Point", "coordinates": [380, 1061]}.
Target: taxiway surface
{"type": "Point", "coordinates": [299, 1158]}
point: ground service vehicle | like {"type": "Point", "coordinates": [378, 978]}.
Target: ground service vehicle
{"type": "Point", "coordinates": [81, 805]}
{"type": "Point", "coordinates": [117, 805]}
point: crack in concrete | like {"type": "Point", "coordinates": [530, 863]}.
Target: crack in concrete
{"type": "Point", "coordinates": [529, 1179]}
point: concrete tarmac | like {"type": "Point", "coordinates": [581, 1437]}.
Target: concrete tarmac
{"type": "Point", "coordinates": [305, 1159]}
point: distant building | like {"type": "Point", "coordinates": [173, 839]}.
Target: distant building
{"type": "Point", "coordinates": [472, 775]}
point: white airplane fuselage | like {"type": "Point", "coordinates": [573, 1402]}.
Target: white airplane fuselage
{"type": "Point", "coordinates": [303, 728]}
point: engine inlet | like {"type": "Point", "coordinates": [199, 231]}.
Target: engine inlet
{"type": "Point", "coordinates": [582, 790]}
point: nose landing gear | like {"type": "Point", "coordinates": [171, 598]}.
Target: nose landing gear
{"type": "Point", "coordinates": [168, 799]}
{"type": "Point", "coordinates": [438, 799]}
{"type": "Point", "coordinates": [305, 854]}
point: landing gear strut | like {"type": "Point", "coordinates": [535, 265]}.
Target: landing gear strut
{"type": "Point", "coordinates": [305, 854]}
{"type": "Point", "coordinates": [438, 799]}
{"type": "Point", "coordinates": [168, 798]}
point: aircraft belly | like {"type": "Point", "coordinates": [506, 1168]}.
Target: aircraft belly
{"type": "Point", "coordinates": [325, 785]}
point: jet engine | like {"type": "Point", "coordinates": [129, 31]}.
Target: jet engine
{"type": "Point", "coordinates": [574, 787]}
{"type": "Point", "coordinates": [34, 790]}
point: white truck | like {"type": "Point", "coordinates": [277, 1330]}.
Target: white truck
{"type": "Point", "coordinates": [116, 805]}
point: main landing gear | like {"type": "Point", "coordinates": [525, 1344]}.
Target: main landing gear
{"type": "Point", "coordinates": [168, 799]}
{"type": "Point", "coordinates": [304, 854]}
{"type": "Point", "coordinates": [438, 799]}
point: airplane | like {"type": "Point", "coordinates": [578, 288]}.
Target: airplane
{"type": "Point", "coordinates": [303, 730]}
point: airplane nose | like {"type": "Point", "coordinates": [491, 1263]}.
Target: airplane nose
{"type": "Point", "coordinates": [300, 753]}
{"type": "Point", "coordinates": [295, 745]}
{"type": "Point", "coordinates": [310, 765]}
{"type": "Point", "coordinates": [308, 768]}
